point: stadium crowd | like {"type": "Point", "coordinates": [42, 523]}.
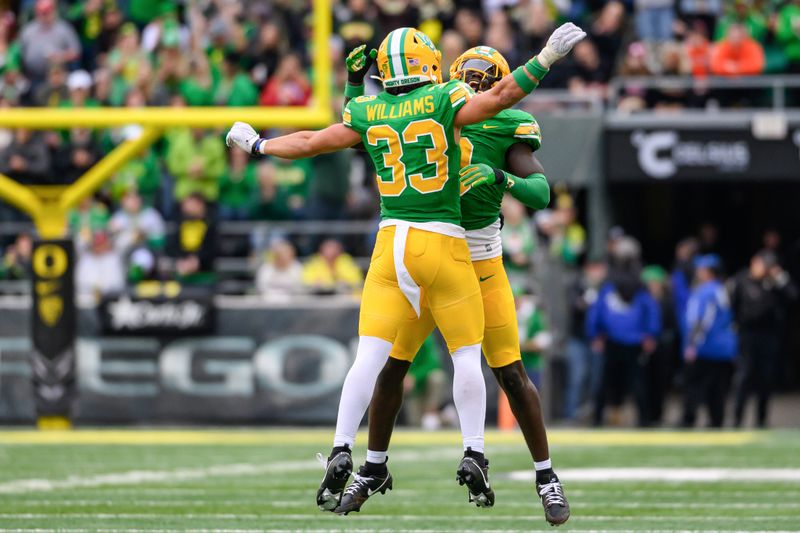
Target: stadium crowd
{"type": "Point", "coordinates": [88, 53]}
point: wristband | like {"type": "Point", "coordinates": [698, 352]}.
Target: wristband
{"type": "Point", "coordinates": [536, 68]}
{"type": "Point", "coordinates": [499, 176]}
{"type": "Point", "coordinates": [523, 81]}
{"type": "Point", "coordinates": [353, 91]}
{"type": "Point", "coordinates": [257, 146]}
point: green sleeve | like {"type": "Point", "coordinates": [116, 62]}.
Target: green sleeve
{"type": "Point", "coordinates": [784, 31]}
{"type": "Point", "coordinates": [532, 191]}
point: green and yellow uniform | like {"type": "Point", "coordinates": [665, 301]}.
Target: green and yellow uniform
{"type": "Point", "coordinates": [487, 143]}
{"type": "Point", "coordinates": [410, 139]}
{"type": "Point", "coordinates": [420, 251]}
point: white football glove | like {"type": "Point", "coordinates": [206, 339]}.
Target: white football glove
{"type": "Point", "coordinates": [560, 43]}
{"type": "Point", "coordinates": [242, 135]}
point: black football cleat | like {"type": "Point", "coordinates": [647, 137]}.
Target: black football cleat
{"type": "Point", "coordinates": [363, 486]}
{"type": "Point", "coordinates": [476, 478]}
{"type": "Point", "coordinates": [338, 468]}
{"type": "Point", "coordinates": [556, 507]}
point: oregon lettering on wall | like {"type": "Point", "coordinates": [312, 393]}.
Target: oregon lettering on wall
{"type": "Point", "coordinates": [53, 322]}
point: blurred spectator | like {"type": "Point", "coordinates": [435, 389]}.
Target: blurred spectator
{"type": "Point", "coordinates": [135, 225]}
{"type": "Point", "coordinates": [289, 86]}
{"type": "Point", "coordinates": [583, 366]}
{"type": "Point", "coordinates": [469, 24]}
{"type": "Point", "coordinates": [281, 274]}
{"type": "Point", "coordinates": [623, 324]}
{"type": "Point", "coordinates": [90, 217]}
{"type": "Point", "coordinates": [330, 186]}
{"type": "Point", "coordinates": [79, 85]}
{"type": "Point", "coordinates": [272, 202]}
{"type": "Point", "coordinates": [47, 40]}
{"type": "Point", "coordinates": [16, 262]}
{"type": "Point", "coordinates": [97, 23]}
{"type": "Point", "coordinates": [634, 63]}
{"type": "Point", "coordinates": [452, 45]}
{"type": "Point", "coordinates": [744, 13]}
{"type": "Point", "coordinates": [711, 344]}
{"type": "Point", "coordinates": [518, 240]}
{"type": "Point", "coordinates": [501, 36]}
{"type": "Point", "coordinates": [534, 339]}
{"type": "Point", "coordinates": [293, 177]}
{"type": "Point", "coordinates": [75, 154]}
{"type": "Point", "coordinates": [238, 187]}
{"type": "Point", "coordinates": [698, 50]}
{"type": "Point", "coordinates": [607, 32]}
{"type": "Point", "coordinates": [737, 54]}
{"type": "Point", "coordinates": [654, 19]}
{"type": "Point", "coordinates": [196, 158]}
{"type": "Point", "coordinates": [659, 365]}
{"type": "Point", "coordinates": [671, 96]}
{"type": "Point", "coordinates": [234, 87]}
{"type": "Point", "coordinates": [100, 270]}
{"type": "Point", "coordinates": [681, 279]}
{"type": "Point", "coordinates": [568, 239]}
{"type": "Point", "coordinates": [332, 270]}
{"type": "Point", "coordinates": [357, 24]}
{"type": "Point", "coordinates": [127, 61]}
{"type": "Point", "coordinates": [424, 387]}
{"type": "Point", "coordinates": [760, 297]}
{"type": "Point", "coordinates": [27, 158]}
{"type": "Point", "coordinates": [588, 74]}
{"type": "Point", "coordinates": [54, 90]}
{"type": "Point", "coordinates": [194, 245]}
{"type": "Point", "coordinates": [787, 33]}
{"type": "Point", "coordinates": [701, 13]}
{"type": "Point", "coordinates": [264, 52]}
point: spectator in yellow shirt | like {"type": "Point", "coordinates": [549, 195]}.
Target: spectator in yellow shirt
{"type": "Point", "coordinates": [331, 270]}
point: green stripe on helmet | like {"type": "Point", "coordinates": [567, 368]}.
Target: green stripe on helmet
{"type": "Point", "coordinates": [402, 51]}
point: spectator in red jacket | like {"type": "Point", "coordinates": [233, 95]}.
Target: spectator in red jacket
{"type": "Point", "coordinates": [737, 54]}
{"type": "Point", "coordinates": [289, 85]}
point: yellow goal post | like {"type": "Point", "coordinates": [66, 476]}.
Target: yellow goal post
{"type": "Point", "coordinates": [48, 205]}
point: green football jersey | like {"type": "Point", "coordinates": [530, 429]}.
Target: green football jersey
{"type": "Point", "coordinates": [410, 138]}
{"type": "Point", "coordinates": [487, 143]}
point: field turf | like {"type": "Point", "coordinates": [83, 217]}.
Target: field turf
{"type": "Point", "coordinates": [265, 480]}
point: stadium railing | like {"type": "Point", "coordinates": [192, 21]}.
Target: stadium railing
{"type": "Point", "coordinates": [776, 84]}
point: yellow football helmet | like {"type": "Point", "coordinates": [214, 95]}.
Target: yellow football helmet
{"type": "Point", "coordinates": [406, 57]}
{"type": "Point", "coordinates": [480, 68]}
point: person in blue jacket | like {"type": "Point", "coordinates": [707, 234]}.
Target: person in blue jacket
{"type": "Point", "coordinates": [710, 345]}
{"type": "Point", "coordinates": [623, 324]}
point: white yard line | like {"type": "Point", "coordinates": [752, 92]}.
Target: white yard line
{"type": "Point", "coordinates": [685, 475]}
{"type": "Point", "coordinates": [138, 477]}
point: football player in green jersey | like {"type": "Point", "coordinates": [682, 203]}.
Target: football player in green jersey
{"type": "Point", "coordinates": [497, 156]}
{"type": "Point", "coordinates": [410, 131]}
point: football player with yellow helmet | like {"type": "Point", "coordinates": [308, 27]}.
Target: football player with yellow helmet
{"type": "Point", "coordinates": [410, 132]}
{"type": "Point", "coordinates": [497, 156]}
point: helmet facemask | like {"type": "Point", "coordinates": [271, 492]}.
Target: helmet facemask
{"type": "Point", "coordinates": [479, 74]}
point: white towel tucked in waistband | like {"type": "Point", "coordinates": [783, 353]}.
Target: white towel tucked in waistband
{"type": "Point", "coordinates": [410, 288]}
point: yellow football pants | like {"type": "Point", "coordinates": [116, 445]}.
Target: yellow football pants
{"type": "Point", "coordinates": [501, 336]}
{"type": "Point", "coordinates": [441, 266]}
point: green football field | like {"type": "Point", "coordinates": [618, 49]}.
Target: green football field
{"type": "Point", "coordinates": [265, 480]}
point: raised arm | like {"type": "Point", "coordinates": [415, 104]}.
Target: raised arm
{"type": "Point", "coordinates": [512, 89]}
{"type": "Point", "coordinates": [296, 145]}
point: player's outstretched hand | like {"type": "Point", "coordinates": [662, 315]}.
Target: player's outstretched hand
{"type": "Point", "coordinates": [358, 64]}
{"type": "Point", "coordinates": [560, 43]}
{"type": "Point", "coordinates": [477, 175]}
{"type": "Point", "coordinates": [242, 135]}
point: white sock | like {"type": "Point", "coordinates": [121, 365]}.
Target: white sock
{"type": "Point", "coordinates": [542, 465]}
{"type": "Point", "coordinates": [469, 395]}
{"type": "Point", "coordinates": [371, 355]}
{"type": "Point", "coordinates": [376, 457]}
